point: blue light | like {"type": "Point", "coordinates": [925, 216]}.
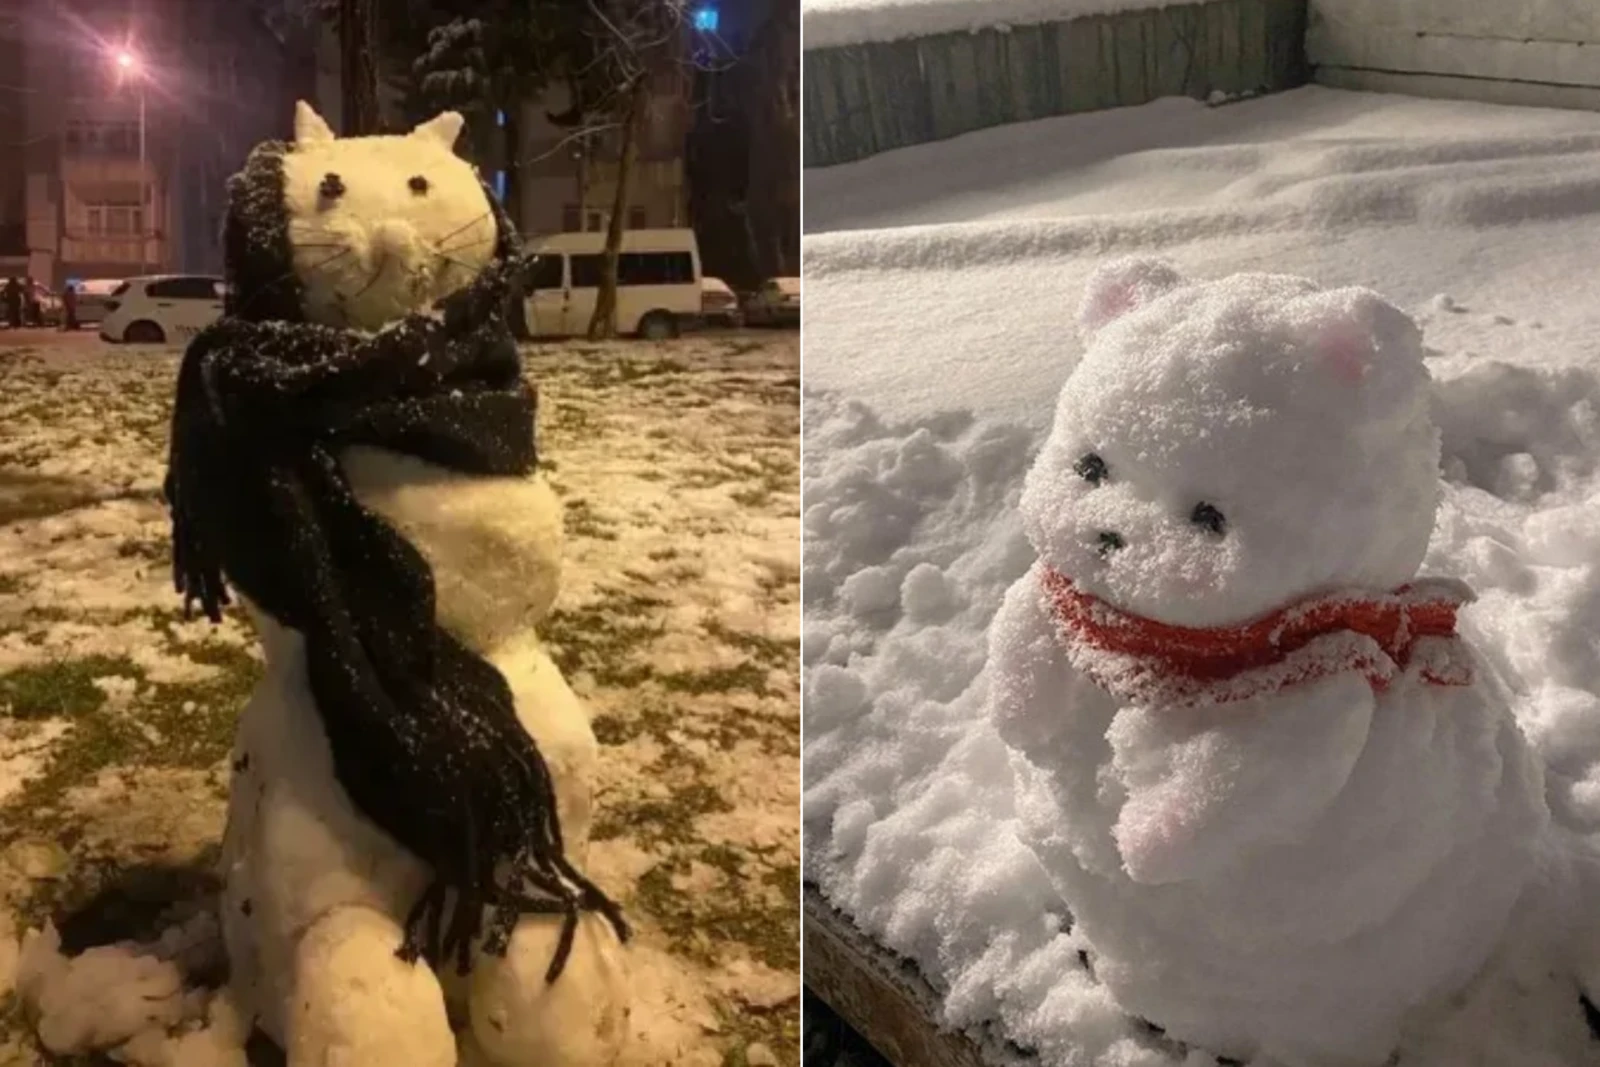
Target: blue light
{"type": "Point", "coordinates": [705, 19]}
{"type": "Point", "coordinates": [500, 184]}
{"type": "Point", "coordinates": [499, 118]}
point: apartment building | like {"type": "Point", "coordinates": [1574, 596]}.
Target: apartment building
{"type": "Point", "coordinates": [131, 115]}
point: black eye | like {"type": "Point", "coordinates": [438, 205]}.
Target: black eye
{"type": "Point", "coordinates": [1091, 468]}
{"type": "Point", "coordinates": [419, 185]}
{"type": "Point", "coordinates": [332, 187]}
{"type": "Point", "coordinates": [1209, 518]}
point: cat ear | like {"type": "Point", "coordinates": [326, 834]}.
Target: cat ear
{"type": "Point", "coordinates": [1354, 328]}
{"type": "Point", "coordinates": [309, 128]}
{"type": "Point", "coordinates": [1121, 286]}
{"type": "Point", "coordinates": [444, 127]}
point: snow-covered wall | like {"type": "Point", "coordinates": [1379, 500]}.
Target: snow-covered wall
{"type": "Point", "coordinates": [869, 97]}
{"type": "Point", "coordinates": [1545, 53]}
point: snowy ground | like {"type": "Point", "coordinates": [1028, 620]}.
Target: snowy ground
{"type": "Point", "coordinates": [837, 23]}
{"type": "Point", "coordinates": [678, 620]}
{"type": "Point", "coordinates": [942, 282]}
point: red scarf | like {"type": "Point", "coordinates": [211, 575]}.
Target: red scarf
{"type": "Point", "coordinates": [1156, 664]}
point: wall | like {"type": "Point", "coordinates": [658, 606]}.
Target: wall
{"type": "Point", "coordinates": [864, 99]}
{"type": "Point", "coordinates": [1543, 54]}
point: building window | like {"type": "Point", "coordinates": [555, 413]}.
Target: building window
{"type": "Point", "coordinates": [102, 138]}
{"type": "Point", "coordinates": [593, 222]}
{"type": "Point", "coordinates": [571, 218]}
{"type": "Point", "coordinates": [115, 220]}
{"type": "Point", "coordinates": [655, 268]}
{"type": "Point", "coordinates": [636, 218]}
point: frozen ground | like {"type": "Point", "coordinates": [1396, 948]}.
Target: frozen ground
{"type": "Point", "coordinates": [678, 620]}
{"type": "Point", "coordinates": [834, 23]}
{"type": "Point", "coordinates": [939, 330]}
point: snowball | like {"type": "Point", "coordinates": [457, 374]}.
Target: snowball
{"type": "Point", "coordinates": [871, 590]}
{"type": "Point", "coordinates": [926, 594]}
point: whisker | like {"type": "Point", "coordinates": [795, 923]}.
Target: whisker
{"type": "Point", "coordinates": [288, 274]}
{"type": "Point", "coordinates": [453, 259]}
{"type": "Point", "coordinates": [376, 274]}
{"type": "Point", "coordinates": [469, 244]}
{"type": "Point", "coordinates": [465, 226]}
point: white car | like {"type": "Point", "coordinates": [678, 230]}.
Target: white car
{"type": "Point", "coordinates": [776, 303]}
{"type": "Point", "coordinates": [161, 308]}
{"type": "Point", "coordinates": [93, 296]}
{"type": "Point", "coordinates": [719, 306]}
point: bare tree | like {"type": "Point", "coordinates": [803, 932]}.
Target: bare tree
{"type": "Point", "coordinates": [629, 60]}
{"type": "Point", "coordinates": [358, 69]}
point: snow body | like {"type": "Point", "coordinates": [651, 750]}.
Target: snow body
{"type": "Point", "coordinates": [1290, 874]}
{"type": "Point", "coordinates": [316, 893]}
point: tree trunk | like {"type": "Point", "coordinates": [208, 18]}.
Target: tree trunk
{"type": "Point", "coordinates": [358, 73]}
{"type": "Point", "coordinates": [604, 322]}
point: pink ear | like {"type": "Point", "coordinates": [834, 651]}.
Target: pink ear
{"type": "Point", "coordinates": [1354, 328]}
{"type": "Point", "coordinates": [1346, 349]}
{"type": "Point", "coordinates": [1122, 286]}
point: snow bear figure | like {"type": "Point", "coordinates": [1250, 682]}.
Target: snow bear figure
{"type": "Point", "coordinates": [1282, 800]}
{"type": "Point", "coordinates": [318, 895]}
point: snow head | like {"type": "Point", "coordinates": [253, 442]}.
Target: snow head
{"type": "Point", "coordinates": [357, 232]}
{"type": "Point", "coordinates": [1226, 447]}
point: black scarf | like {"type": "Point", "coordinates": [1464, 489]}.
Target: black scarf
{"type": "Point", "coordinates": [424, 733]}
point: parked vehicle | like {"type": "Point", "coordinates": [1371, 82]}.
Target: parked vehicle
{"type": "Point", "coordinates": [776, 303]}
{"type": "Point", "coordinates": [41, 306]}
{"type": "Point", "coordinates": [719, 305]}
{"type": "Point", "coordinates": [658, 283]}
{"type": "Point", "coordinates": [94, 295]}
{"type": "Point", "coordinates": [161, 308]}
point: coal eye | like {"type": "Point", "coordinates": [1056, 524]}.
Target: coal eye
{"type": "Point", "coordinates": [1209, 518]}
{"type": "Point", "coordinates": [1091, 468]}
{"type": "Point", "coordinates": [419, 185]}
{"type": "Point", "coordinates": [332, 187]}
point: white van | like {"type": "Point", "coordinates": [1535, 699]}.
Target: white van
{"type": "Point", "coordinates": [658, 282]}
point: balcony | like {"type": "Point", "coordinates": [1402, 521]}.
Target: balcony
{"type": "Point", "coordinates": [123, 251]}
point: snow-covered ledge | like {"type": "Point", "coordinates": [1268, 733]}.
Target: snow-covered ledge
{"type": "Point", "coordinates": [883, 74]}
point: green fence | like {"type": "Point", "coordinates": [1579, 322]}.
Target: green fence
{"type": "Point", "coordinates": [864, 99]}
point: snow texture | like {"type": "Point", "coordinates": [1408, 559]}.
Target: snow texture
{"type": "Point", "coordinates": [839, 23]}
{"type": "Point", "coordinates": [919, 507]}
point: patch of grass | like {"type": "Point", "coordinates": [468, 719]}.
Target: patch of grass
{"type": "Point", "coordinates": [653, 821]}
{"type": "Point", "coordinates": [753, 497]}
{"type": "Point", "coordinates": [778, 1029]}
{"type": "Point", "coordinates": [747, 676]}
{"type": "Point", "coordinates": [62, 688]}
{"type": "Point", "coordinates": [735, 912]}
{"type": "Point", "coordinates": [604, 636]}
{"type": "Point", "coordinates": [580, 520]}
{"type": "Point", "coordinates": [34, 496]}
{"type": "Point", "coordinates": [659, 555]}
{"type": "Point", "coordinates": [155, 549]}
{"type": "Point", "coordinates": [775, 652]}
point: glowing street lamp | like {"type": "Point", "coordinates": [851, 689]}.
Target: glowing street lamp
{"type": "Point", "coordinates": [129, 66]}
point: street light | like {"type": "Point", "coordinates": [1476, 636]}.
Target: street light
{"type": "Point", "coordinates": [129, 66]}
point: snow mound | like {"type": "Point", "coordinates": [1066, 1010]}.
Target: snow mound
{"type": "Point", "coordinates": [132, 999]}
